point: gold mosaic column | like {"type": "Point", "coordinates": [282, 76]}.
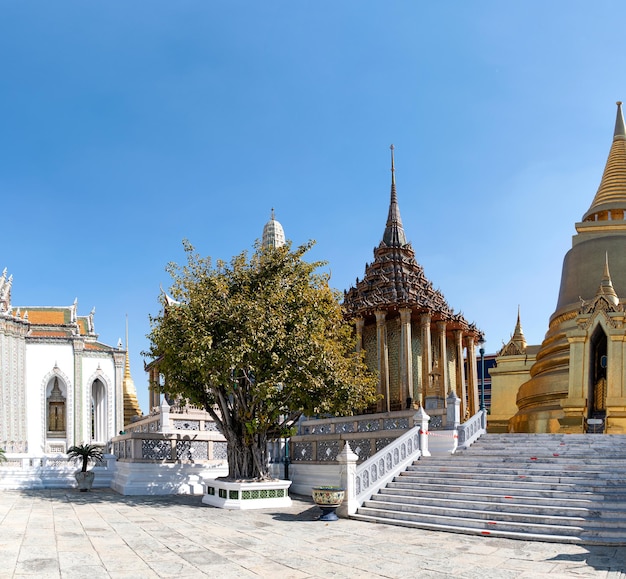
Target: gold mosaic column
{"type": "Point", "coordinates": [461, 390]}
{"type": "Point", "coordinates": [383, 357]}
{"type": "Point", "coordinates": [406, 354]}
{"type": "Point", "coordinates": [472, 376]}
{"type": "Point", "coordinates": [443, 358]}
{"type": "Point", "coordinates": [427, 356]}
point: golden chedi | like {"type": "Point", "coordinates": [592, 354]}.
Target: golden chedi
{"type": "Point", "coordinates": [578, 382]}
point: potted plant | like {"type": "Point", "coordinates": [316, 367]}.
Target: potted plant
{"type": "Point", "coordinates": [85, 453]}
{"type": "Point", "coordinates": [328, 498]}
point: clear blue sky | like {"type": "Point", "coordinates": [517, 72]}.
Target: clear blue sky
{"type": "Point", "coordinates": [128, 126]}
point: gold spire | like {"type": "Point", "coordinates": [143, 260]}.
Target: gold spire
{"type": "Point", "coordinates": [610, 199]}
{"type": "Point", "coordinates": [606, 288]}
{"type": "Point", "coordinates": [518, 333]}
{"type": "Point", "coordinates": [131, 404]}
{"type": "Point", "coordinates": [516, 346]}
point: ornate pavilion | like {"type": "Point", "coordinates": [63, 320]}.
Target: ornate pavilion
{"type": "Point", "coordinates": [408, 331]}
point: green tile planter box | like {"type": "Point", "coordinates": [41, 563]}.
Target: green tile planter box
{"type": "Point", "coordinates": [247, 495]}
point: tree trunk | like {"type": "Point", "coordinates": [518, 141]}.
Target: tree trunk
{"type": "Point", "coordinates": [247, 460]}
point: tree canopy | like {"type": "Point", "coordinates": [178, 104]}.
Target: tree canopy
{"type": "Point", "coordinates": [258, 342]}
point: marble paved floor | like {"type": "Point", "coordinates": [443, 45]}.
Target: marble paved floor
{"type": "Point", "coordinates": [67, 534]}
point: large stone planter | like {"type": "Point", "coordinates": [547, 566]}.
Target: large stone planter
{"type": "Point", "coordinates": [84, 480]}
{"type": "Point", "coordinates": [328, 498]}
{"type": "Point", "coordinates": [247, 495]}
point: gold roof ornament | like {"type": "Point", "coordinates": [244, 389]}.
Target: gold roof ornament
{"type": "Point", "coordinates": [517, 344]}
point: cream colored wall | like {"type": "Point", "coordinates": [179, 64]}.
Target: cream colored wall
{"type": "Point", "coordinates": [506, 378]}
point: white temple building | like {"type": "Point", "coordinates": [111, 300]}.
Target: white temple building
{"type": "Point", "coordinates": [59, 385]}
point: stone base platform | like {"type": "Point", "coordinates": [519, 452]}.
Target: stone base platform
{"type": "Point", "coordinates": [247, 495]}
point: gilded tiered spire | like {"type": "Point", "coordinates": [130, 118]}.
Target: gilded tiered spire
{"type": "Point", "coordinates": [517, 344]}
{"type": "Point", "coordinates": [610, 200]}
{"type": "Point", "coordinates": [394, 232]}
{"type": "Point", "coordinates": [605, 291]}
{"type": "Point", "coordinates": [131, 404]}
{"type": "Point", "coordinates": [395, 279]}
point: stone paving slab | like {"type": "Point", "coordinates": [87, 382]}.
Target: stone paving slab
{"type": "Point", "coordinates": [62, 533]}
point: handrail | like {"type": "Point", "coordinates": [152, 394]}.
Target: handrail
{"type": "Point", "coordinates": [471, 430]}
{"type": "Point", "coordinates": [382, 467]}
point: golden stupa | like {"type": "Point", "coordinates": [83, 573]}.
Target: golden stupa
{"type": "Point", "coordinates": [579, 377]}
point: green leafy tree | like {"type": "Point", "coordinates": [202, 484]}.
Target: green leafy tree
{"type": "Point", "coordinates": [258, 342]}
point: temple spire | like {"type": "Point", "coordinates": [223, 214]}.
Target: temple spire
{"type": "Point", "coordinates": [620, 132]}
{"type": "Point", "coordinates": [606, 288]}
{"type": "Point", "coordinates": [609, 202]}
{"type": "Point", "coordinates": [131, 404]}
{"type": "Point", "coordinates": [518, 333]}
{"type": "Point", "coordinates": [273, 233]}
{"type": "Point", "coordinates": [394, 232]}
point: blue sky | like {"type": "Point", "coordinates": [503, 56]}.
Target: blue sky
{"type": "Point", "coordinates": [128, 126]}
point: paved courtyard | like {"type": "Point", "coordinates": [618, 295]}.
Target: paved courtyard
{"type": "Point", "coordinates": [64, 533]}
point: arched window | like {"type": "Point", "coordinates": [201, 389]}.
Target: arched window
{"type": "Point", "coordinates": [98, 412]}
{"type": "Point", "coordinates": [56, 419]}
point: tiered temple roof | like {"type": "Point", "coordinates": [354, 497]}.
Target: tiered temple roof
{"type": "Point", "coordinates": [395, 279]}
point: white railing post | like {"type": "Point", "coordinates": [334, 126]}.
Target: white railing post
{"type": "Point", "coordinates": [453, 411]}
{"type": "Point", "coordinates": [166, 427]}
{"type": "Point", "coordinates": [422, 419]}
{"type": "Point", "coordinates": [347, 478]}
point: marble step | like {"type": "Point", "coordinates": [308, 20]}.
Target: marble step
{"type": "Point", "coordinates": [525, 455]}
{"type": "Point", "coordinates": [528, 516]}
{"type": "Point", "coordinates": [614, 479]}
{"type": "Point", "coordinates": [548, 536]}
{"type": "Point", "coordinates": [496, 508]}
{"type": "Point", "coordinates": [562, 527]}
{"type": "Point", "coordinates": [517, 470]}
{"type": "Point", "coordinates": [564, 492]}
{"type": "Point", "coordinates": [474, 523]}
{"type": "Point", "coordinates": [558, 500]}
{"type": "Point", "coordinates": [521, 482]}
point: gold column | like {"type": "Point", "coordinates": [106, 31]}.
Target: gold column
{"type": "Point", "coordinates": [383, 357]}
{"type": "Point", "coordinates": [472, 376]}
{"type": "Point", "coordinates": [406, 355]}
{"type": "Point", "coordinates": [461, 391]}
{"type": "Point", "coordinates": [427, 357]}
{"type": "Point", "coordinates": [443, 359]}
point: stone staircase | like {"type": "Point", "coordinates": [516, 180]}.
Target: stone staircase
{"type": "Point", "coordinates": [544, 487]}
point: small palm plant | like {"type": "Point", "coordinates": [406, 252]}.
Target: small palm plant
{"type": "Point", "coordinates": [86, 453]}
{"type": "Point", "coordinates": [3, 457]}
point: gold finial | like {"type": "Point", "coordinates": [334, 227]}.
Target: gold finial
{"type": "Point", "coordinates": [619, 103]}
